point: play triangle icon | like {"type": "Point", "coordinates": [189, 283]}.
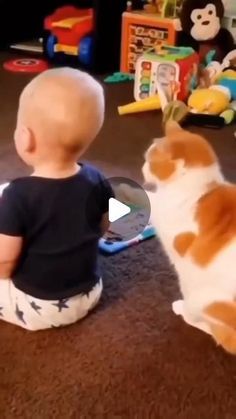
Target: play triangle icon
{"type": "Point", "coordinates": [117, 210]}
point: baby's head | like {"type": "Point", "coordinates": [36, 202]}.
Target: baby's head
{"type": "Point", "coordinates": [61, 111]}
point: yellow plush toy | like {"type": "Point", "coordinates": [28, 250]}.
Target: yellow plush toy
{"type": "Point", "coordinates": [212, 101]}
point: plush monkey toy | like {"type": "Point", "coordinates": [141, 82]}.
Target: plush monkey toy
{"type": "Point", "coordinates": [201, 25]}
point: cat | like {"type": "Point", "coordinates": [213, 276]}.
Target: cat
{"type": "Point", "coordinates": [193, 209]}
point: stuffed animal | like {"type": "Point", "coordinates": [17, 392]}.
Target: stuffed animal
{"type": "Point", "coordinates": [215, 70]}
{"type": "Point", "coordinates": [201, 28]}
{"type": "Point", "coordinates": [212, 101]}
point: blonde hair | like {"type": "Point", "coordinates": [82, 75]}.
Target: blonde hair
{"type": "Point", "coordinates": [64, 107]}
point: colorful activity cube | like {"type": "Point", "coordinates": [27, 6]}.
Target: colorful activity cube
{"type": "Point", "coordinates": [174, 68]}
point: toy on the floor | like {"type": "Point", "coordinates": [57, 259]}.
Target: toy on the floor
{"type": "Point", "coordinates": [114, 242]}
{"type": "Point", "coordinates": [206, 107]}
{"type": "Point", "coordinates": [119, 77]}
{"type": "Point", "coordinates": [70, 31]}
{"type": "Point", "coordinates": [169, 71]}
{"type": "Point", "coordinates": [26, 65]}
{"type": "Point", "coordinates": [140, 32]}
{"type": "Point", "coordinates": [213, 100]}
{"type": "Point", "coordinates": [174, 68]}
{"type": "Point", "coordinates": [150, 104]}
{"type": "Point", "coordinates": [201, 24]}
{"type": "Point", "coordinates": [180, 112]}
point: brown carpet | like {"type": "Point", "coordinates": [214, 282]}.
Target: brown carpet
{"type": "Point", "coordinates": [132, 358]}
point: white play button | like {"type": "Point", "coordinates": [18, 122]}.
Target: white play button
{"type": "Point", "coordinates": [117, 210]}
{"type": "Point", "coordinates": [128, 210]}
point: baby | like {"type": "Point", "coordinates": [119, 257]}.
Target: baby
{"type": "Point", "coordinates": [51, 221]}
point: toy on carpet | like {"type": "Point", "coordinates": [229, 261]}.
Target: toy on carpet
{"type": "Point", "coordinates": [114, 242]}
{"type": "Point", "coordinates": [213, 101]}
{"type": "Point", "coordinates": [206, 107]}
{"type": "Point", "coordinates": [174, 68]}
{"type": "Point", "coordinates": [180, 112]}
{"type": "Point", "coordinates": [149, 104]}
{"type": "Point", "coordinates": [201, 24]}
{"type": "Point", "coordinates": [26, 65]}
{"type": "Point", "coordinates": [170, 71]}
{"type": "Point", "coordinates": [173, 79]}
{"type": "Point", "coordinates": [70, 32]}
{"type": "Point", "coordinates": [119, 77]}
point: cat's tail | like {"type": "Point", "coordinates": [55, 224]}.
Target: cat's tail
{"type": "Point", "coordinates": [221, 317]}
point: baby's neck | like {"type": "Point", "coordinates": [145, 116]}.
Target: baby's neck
{"type": "Point", "coordinates": [56, 170]}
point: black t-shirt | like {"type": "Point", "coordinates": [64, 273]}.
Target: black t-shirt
{"type": "Point", "coordinates": [59, 220]}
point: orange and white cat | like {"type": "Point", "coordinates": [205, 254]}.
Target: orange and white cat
{"type": "Point", "coordinates": [194, 212]}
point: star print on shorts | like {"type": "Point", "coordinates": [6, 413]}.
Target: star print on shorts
{"type": "Point", "coordinates": [61, 304]}
{"type": "Point", "coordinates": [19, 314]}
{"type": "Point", "coordinates": [35, 307]}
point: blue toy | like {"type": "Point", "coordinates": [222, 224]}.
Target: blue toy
{"type": "Point", "coordinates": [230, 84]}
{"type": "Point", "coordinates": [114, 243]}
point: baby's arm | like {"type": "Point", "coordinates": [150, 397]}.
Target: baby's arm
{"type": "Point", "coordinates": [11, 230]}
{"type": "Point", "coordinates": [10, 250]}
{"type": "Point", "coordinates": [105, 224]}
{"type": "Point", "coordinates": [106, 192]}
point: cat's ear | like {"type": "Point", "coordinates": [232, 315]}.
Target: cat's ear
{"type": "Point", "coordinates": [172, 127]}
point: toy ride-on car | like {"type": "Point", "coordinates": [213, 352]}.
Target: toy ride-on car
{"type": "Point", "coordinates": [69, 31]}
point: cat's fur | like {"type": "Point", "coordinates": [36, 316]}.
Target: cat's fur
{"type": "Point", "coordinates": [194, 213]}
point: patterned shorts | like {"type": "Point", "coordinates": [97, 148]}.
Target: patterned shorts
{"type": "Point", "coordinates": [34, 314]}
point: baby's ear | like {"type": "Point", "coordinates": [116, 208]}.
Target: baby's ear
{"type": "Point", "coordinates": [25, 138]}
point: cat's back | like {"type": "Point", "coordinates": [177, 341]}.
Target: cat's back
{"type": "Point", "coordinates": [215, 246]}
{"type": "Point", "coordinates": [210, 260]}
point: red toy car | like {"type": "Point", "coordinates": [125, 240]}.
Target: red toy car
{"type": "Point", "coordinates": [70, 32]}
